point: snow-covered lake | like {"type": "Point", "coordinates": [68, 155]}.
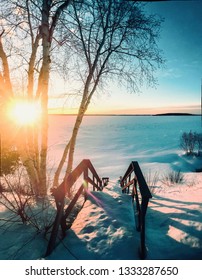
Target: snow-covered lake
{"type": "Point", "coordinates": [174, 213]}
{"type": "Point", "coordinates": [101, 230]}
{"type": "Point", "coordinates": [112, 142]}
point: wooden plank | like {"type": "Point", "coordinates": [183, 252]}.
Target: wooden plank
{"type": "Point", "coordinates": [76, 173]}
{"type": "Point", "coordinates": [144, 190]}
{"type": "Point", "coordinates": [128, 172]}
{"type": "Point", "coordinates": [89, 180]}
{"type": "Point", "coordinates": [73, 202]}
{"type": "Point", "coordinates": [128, 184]}
{"type": "Point", "coordinates": [92, 169]}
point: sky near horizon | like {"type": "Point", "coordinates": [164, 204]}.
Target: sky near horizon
{"type": "Point", "coordinates": [179, 82]}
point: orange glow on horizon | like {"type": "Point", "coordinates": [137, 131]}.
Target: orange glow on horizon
{"type": "Point", "coordinates": [194, 109]}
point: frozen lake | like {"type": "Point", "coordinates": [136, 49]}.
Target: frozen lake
{"type": "Point", "coordinates": [174, 214]}
{"type": "Point", "coordinates": [112, 142]}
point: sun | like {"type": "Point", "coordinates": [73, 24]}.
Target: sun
{"type": "Point", "coordinates": [25, 112]}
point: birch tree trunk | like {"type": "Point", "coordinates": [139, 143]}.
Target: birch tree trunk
{"type": "Point", "coordinates": [6, 88]}
{"type": "Point", "coordinates": [43, 89]}
{"type": "Point", "coordinates": [60, 166]}
{"type": "Point", "coordinates": [47, 31]}
{"type": "Point", "coordinates": [33, 133]}
{"type": "Point", "coordinates": [73, 139]}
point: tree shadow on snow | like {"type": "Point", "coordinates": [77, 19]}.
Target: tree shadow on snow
{"type": "Point", "coordinates": [173, 230]}
{"type": "Point", "coordinates": [19, 241]}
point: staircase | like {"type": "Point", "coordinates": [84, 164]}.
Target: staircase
{"type": "Point", "coordinates": [106, 227]}
{"type": "Point", "coordinates": [103, 230]}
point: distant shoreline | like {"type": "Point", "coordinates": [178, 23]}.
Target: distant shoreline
{"type": "Point", "coordinates": [176, 114]}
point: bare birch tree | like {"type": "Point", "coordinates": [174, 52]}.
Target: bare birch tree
{"type": "Point", "coordinates": [27, 29]}
{"type": "Point", "coordinates": [104, 40]}
{"type": "Point", "coordinates": [110, 39]}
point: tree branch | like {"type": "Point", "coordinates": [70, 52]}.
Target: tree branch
{"type": "Point", "coordinates": [82, 38]}
{"type": "Point", "coordinates": [56, 16]}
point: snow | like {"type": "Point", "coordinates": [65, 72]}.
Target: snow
{"type": "Point", "coordinates": [105, 227]}
{"type": "Point", "coordinates": [174, 222]}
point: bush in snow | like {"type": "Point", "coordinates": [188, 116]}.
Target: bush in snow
{"type": "Point", "coordinates": [18, 199]}
{"type": "Point", "coordinates": [152, 180]}
{"type": "Point", "coordinates": [198, 143]}
{"type": "Point", "coordinates": [173, 177]}
{"type": "Point", "coordinates": [191, 143]}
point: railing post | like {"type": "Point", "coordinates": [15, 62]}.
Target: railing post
{"type": "Point", "coordinates": [129, 177]}
{"type": "Point", "coordinates": [125, 182]}
{"type": "Point", "coordinates": [93, 182]}
{"type": "Point", "coordinates": [105, 181]}
{"type": "Point", "coordinates": [142, 233]}
{"type": "Point", "coordinates": [137, 208]}
{"type": "Point", "coordinates": [57, 222]}
{"type": "Point", "coordinates": [85, 177]}
{"type": "Point", "coordinates": [100, 185]}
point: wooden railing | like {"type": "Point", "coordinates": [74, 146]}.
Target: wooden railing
{"type": "Point", "coordinates": [83, 169]}
{"type": "Point", "coordinates": [133, 183]}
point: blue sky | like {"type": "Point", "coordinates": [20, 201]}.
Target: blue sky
{"type": "Point", "coordinates": [178, 88]}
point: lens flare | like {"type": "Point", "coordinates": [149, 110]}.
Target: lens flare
{"type": "Point", "coordinates": [25, 113]}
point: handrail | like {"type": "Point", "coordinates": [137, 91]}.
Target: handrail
{"type": "Point", "coordinates": [59, 194]}
{"type": "Point", "coordinates": [66, 185]}
{"type": "Point", "coordinates": [141, 193]}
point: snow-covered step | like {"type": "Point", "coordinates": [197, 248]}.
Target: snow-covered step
{"type": "Point", "coordinates": [104, 229]}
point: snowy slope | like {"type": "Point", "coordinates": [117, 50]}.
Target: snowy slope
{"type": "Point", "coordinates": [105, 228]}
{"type": "Point", "coordinates": [174, 221]}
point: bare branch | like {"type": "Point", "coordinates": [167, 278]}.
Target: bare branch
{"type": "Point", "coordinates": [29, 22]}
{"type": "Point", "coordinates": [82, 38]}
{"type": "Point", "coordinates": [56, 16]}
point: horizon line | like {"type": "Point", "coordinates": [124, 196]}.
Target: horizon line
{"type": "Point", "coordinates": [112, 114]}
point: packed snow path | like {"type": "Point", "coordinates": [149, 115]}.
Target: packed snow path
{"type": "Point", "coordinates": [104, 228]}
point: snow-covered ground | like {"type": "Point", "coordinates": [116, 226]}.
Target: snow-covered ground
{"type": "Point", "coordinates": [105, 228]}
{"type": "Point", "coordinates": [174, 221]}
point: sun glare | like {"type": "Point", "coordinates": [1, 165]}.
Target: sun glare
{"type": "Point", "coordinates": [25, 113]}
